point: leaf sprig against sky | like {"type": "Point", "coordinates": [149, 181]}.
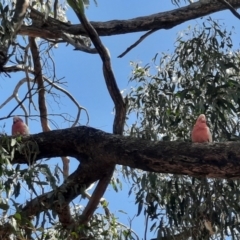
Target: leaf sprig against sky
{"type": "Point", "coordinates": [201, 76]}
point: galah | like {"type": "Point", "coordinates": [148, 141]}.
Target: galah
{"type": "Point", "coordinates": [19, 127]}
{"type": "Point", "coordinates": [201, 132]}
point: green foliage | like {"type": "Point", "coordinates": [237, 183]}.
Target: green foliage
{"type": "Point", "coordinates": [201, 76]}
{"type": "Point", "coordinates": [35, 178]}
{"type": "Point", "coordinates": [105, 227]}
{"type": "Point", "coordinates": [177, 204]}
{"type": "Point", "coordinates": [15, 178]}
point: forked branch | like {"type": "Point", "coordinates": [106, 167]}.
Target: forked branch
{"type": "Point", "coordinates": [120, 106]}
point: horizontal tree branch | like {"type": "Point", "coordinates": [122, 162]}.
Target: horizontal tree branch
{"type": "Point", "coordinates": [91, 146]}
{"type": "Point", "coordinates": [53, 28]}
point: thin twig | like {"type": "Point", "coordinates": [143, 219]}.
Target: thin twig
{"type": "Point", "coordinates": [15, 92]}
{"type": "Point", "coordinates": [18, 68]}
{"type": "Point", "coordinates": [137, 42]}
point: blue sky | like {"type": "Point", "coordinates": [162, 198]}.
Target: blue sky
{"type": "Point", "coordinates": [84, 79]}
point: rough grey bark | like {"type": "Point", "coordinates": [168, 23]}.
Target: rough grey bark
{"type": "Point", "coordinates": [94, 147]}
{"type": "Point", "coordinates": [97, 151]}
{"type": "Point", "coordinates": [52, 28]}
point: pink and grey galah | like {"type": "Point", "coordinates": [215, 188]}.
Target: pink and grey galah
{"type": "Point", "coordinates": [201, 132]}
{"type": "Point", "coordinates": [19, 127]}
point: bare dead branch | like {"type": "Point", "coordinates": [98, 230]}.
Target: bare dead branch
{"type": "Point", "coordinates": [40, 84]}
{"type": "Point", "coordinates": [15, 92]}
{"type": "Point", "coordinates": [17, 68]}
{"type": "Point", "coordinates": [137, 42]}
{"type": "Point", "coordinates": [22, 106]}
{"type": "Point", "coordinates": [53, 28]}
{"type": "Point", "coordinates": [15, 95]}
{"type": "Point", "coordinates": [28, 82]}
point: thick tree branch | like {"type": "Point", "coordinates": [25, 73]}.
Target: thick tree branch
{"type": "Point", "coordinates": [120, 109]}
{"type": "Point", "coordinates": [53, 28]}
{"type": "Point", "coordinates": [98, 150]}
{"type": "Point", "coordinates": [91, 146]}
{"type": "Point", "coordinates": [108, 75]}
